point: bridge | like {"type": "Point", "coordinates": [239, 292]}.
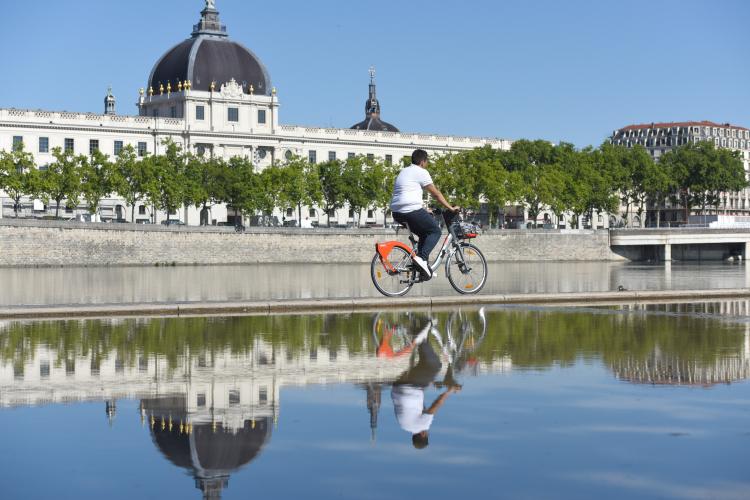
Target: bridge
{"type": "Point", "coordinates": [691, 243]}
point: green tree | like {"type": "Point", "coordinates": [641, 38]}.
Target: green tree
{"type": "Point", "coordinates": [236, 182]}
{"type": "Point", "coordinates": [356, 191]}
{"type": "Point", "coordinates": [380, 177]}
{"type": "Point", "coordinates": [132, 178]}
{"type": "Point", "coordinates": [701, 172]}
{"type": "Point", "coordinates": [542, 182]}
{"type": "Point", "coordinates": [267, 193]}
{"type": "Point", "coordinates": [201, 184]}
{"type": "Point", "coordinates": [167, 188]}
{"type": "Point", "coordinates": [299, 185]}
{"type": "Point", "coordinates": [62, 179]}
{"type": "Point", "coordinates": [18, 175]}
{"type": "Point", "coordinates": [332, 186]}
{"type": "Point", "coordinates": [98, 180]}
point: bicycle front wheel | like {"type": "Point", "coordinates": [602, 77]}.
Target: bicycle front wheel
{"type": "Point", "coordinates": [392, 280]}
{"type": "Point", "coordinates": [467, 269]}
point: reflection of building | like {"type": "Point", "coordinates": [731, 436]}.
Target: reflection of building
{"type": "Point", "coordinates": [211, 95]}
{"type": "Point", "coordinates": [658, 138]}
{"type": "Point", "coordinates": [661, 368]}
{"type": "Point", "coordinates": [210, 452]}
{"type": "Point", "coordinates": [210, 413]}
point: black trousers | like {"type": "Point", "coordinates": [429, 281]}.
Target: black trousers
{"type": "Point", "coordinates": [423, 224]}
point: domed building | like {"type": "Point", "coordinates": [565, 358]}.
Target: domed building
{"type": "Point", "coordinates": [212, 96]}
{"type": "Point", "coordinates": [209, 56]}
{"type": "Point", "coordinates": [210, 452]}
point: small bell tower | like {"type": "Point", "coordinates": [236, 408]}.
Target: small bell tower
{"type": "Point", "coordinates": [109, 103]}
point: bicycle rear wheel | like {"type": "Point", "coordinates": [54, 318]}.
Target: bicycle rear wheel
{"type": "Point", "coordinates": [397, 280]}
{"type": "Point", "coordinates": [467, 275]}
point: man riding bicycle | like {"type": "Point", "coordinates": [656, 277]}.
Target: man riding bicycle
{"type": "Point", "coordinates": [407, 208]}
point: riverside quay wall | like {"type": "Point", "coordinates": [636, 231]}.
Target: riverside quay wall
{"type": "Point", "coordinates": [48, 243]}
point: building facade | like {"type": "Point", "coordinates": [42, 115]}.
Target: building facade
{"type": "Point", "coordinates": [211, 95]}
{"type": "Point", "coordinates": [658, 138]}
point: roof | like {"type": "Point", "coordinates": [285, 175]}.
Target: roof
{"type": "Point", "coordinates": [375, 124]}
{"type": "Point", "coordinates": [704, 123]}
{"type": "Point", "coordinates": [209, 56]}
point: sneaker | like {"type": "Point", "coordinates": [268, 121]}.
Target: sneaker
{"type": "Point", "coordinates": [423, 267]}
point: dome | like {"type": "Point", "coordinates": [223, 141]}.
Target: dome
{"type": "Point", "coordinates": [210, 56]}
{"type": "Point", "coordinates": [210, 453]}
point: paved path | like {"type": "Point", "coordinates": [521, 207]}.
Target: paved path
{"type": "Point", "coordinates": [366, 304]}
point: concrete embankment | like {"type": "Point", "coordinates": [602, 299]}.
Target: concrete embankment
{"type": "Point", "coordinates": [48, 243]}
{"type": "Point", "coordinates": [366, 304]}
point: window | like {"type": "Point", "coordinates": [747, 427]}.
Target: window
{"type": "Point", "coordinates": [233, 114]}
{"type": "Point", "coordinates": [118, 147]}
{"type": "Point", "coordinates": [93, 146]}
{"type": "Point", "coordinates": [173, 112]}
{"type": "Point", "coordinates": [313, 156]}
{"type": "Point", "coordinates": [142, 149]}
{"type": "Point", "coordinates": [17, 142]}
{"type": "Point", "coordinates": [261, 116]}
{"type": "Point", "coordinates": [234, 398]}
{"type": "Point", "coordinates": [351, 213]}
{"type": "Point", "coordinates": [370, 214]}
{"type": "Point", "coordinates": [389, 159]}
{"type": "Point", "coordinates": [44, 369]}
{"type": "Point", "coordinates": [156, 113]}
{"type": "Point", "coordinates": [290, 212]}
{"type": "Point", "coordinates": [331, 155]}
{"type": "Point", "coordinates": [313, 213]}
{"type": "Point", "coordinates": [201, 400]}
{"type": "Point", "coordinates": [200, 112]}
{"type": "Point", "coordinates": [350, 155]}
{"type": "Point", "coordinates": [142, 210]}
{"type": "Point", "coordinates": [69, 145]}
{"type": "Point", "coordinates": [370, 156]}
{"type": "Point", "coordinates": [263, 395]}
{"type": "Point", "coordinates": [44, 144]}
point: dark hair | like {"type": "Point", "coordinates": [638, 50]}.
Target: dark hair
{"type": "Point", "coordinates": [418, 156]}
{"type": "Point", "coordinates": [420, 440]}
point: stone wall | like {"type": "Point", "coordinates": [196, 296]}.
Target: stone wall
{"type": "Point", "coordinates": [36, 243]}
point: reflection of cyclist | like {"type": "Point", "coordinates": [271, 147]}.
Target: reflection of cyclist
{"type": "Point", "coordinates": [408, 392]}
{"type": "Point", "coordinates": [407, 208]}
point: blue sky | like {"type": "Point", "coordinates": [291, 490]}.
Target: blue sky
{"type": "Point", "coordinates": [556, 70]}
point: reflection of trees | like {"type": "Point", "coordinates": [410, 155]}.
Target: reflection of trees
{"type": "Point", "coordinates": [531, 338]}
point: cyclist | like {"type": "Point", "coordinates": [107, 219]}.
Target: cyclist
{"type": "Point", "coordinates": [407, 392]}
{"type": "Point", "coordinates": [407, 208]}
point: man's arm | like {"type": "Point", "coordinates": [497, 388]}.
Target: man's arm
{"type": "Point", "coordinates": [440, 400]}
{"type": "Point", "coordinates": [435, 192]}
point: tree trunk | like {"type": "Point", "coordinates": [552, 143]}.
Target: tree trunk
{"type": "Point", "coordinates": [57, 209]}
{"type": "Point", "coordinates": [299, 214]}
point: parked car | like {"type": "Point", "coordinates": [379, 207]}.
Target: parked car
{"type": "Point", "coordinates": [173, 222]}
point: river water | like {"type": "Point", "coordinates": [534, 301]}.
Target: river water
{"type": "Point", "coordinates": [50, 286]}
{"type": "Point", "coordinates": [506, 402]}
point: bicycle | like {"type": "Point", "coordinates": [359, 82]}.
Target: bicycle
{"type": "Point", "coordinates": [394, 273]}
{"type": "Point", "coordinates": [395, 336]}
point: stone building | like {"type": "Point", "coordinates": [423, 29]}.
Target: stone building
{"type": "Point", "coordinates": [212, 95]}
{"type": "Point", "coordinates": [658, 138]}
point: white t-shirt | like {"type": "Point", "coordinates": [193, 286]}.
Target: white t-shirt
{"type": "Point", "coordinates": [407, 192]}
{"type": "Point", "coordinates": [408, 402]}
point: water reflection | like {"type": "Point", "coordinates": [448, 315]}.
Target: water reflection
{"type": "Point", "coordinates": [210, 388]}
{"type": "Point", "coordinates": [50, 286]}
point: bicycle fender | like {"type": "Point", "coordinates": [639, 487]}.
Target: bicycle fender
{"type": "Point", "coordinates": [384, 249]}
